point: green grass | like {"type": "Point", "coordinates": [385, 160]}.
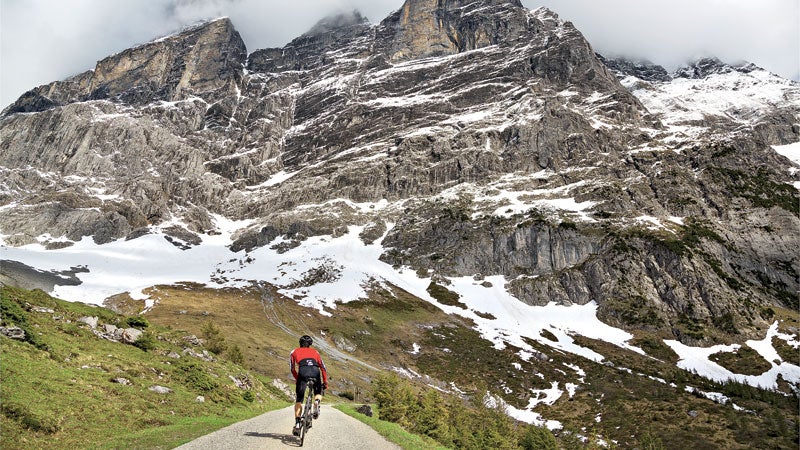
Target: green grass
{"type": "Point", "coordinates": [183, 430]}
{"type": "Point", "coordinates": [61, 394]}
{"type": "Point", "coordinates": [445, 296]}
{"type": "Point", "coordinates": [383, 328]}
{"type": "Point", "coordinates": [745, 360]}
{"type": "Point", "coordinates": [391, 431]}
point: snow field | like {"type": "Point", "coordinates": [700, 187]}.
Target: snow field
{"type": "Point", "coordinates": [324, 270]}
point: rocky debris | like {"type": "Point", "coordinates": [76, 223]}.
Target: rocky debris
{"type": "Point", "coordinates": [204, 355]}
{"type": "Point", "coordinates": [193, 340]}
{"type": "Point", "coordinates": [13, 333]}
{"type": "Point", "coordinates": [344, 344]}
{"type": "Point", "coordinates": [283, 387]}
{"type": "Point", "coordinates": [14, 273]}
{"type": "Point", "coordinates": [181, 237]}
{"type": "Point", "coordinates": [242, 381]}
{"type": "Point", "coordinates": [123, 381]}
{"type": "Point", "coordinates": [160, 389]}
{"type": "Point", "coordinates": [91, 321]}
{"type": "Point", "coordinates": [200, 399]}
{"type": "Point", "coordinates": [173, 355]}
{"type": "Point", "coordinates": [39, 309]}
{"type": "Point", "coordinates": [365, 410]}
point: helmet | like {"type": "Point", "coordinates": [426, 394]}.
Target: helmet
{"type": "Point", "coordinates": [305, 341]}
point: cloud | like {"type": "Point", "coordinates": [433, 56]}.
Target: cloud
{"type": "Point", "coordinates": [47, 40]}
{"type": "Point", "coordinates": [765, 32]}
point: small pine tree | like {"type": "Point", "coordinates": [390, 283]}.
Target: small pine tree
{"type": "Point", "coordinates": [430, 416]}
{"type": "Point", "coordinates": [147, 341]}
{"type": "Point", "coordinates": [394, 398]}
{"type": "Point", "coordinates": [215, 341]}
{"type": "Point", "coordinates": [235, 354]}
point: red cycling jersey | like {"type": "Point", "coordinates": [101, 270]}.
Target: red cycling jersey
{"type": "Point", "coordinates": [302, 353]}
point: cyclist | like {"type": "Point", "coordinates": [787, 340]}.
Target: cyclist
{"type": "Point", "coordinates": [306, 364]}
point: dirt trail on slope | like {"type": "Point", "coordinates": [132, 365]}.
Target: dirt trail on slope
{"type": "Point", "coordinates": [272, 313]}
{"type": "Point", "coordinates": [273, 430]}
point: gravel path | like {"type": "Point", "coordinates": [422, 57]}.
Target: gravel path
{"type": "Point", "coordinates": [333, 430]}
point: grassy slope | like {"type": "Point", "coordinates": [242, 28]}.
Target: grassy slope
{"type": "Point", "coordinates": [380, 329]}
{"type": "Point", "coordinates": [633, 407]}
{"type": "Point", "coordinates": [392, 431]}
{"type": "Point", "coordinates": [61, 395]}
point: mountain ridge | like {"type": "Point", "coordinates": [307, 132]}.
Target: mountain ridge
{"type": "Point", "coordinates": [459, 151]}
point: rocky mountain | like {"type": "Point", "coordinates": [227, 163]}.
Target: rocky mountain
{"type": "Point", "coordinates": [458, 140]}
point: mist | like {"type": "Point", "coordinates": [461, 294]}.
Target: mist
{"type": "Point", "coordinates": [47, 40]}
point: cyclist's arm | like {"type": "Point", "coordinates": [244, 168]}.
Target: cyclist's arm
{"type": "Point", "coordinates": [292, 365]}
{"type": "Point", "coordinates": [324, 372]}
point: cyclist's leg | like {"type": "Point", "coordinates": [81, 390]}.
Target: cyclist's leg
{"type": "Point", "coordinates": [300, 389]}
{"type": "Point", "coordinates": [317, 394]}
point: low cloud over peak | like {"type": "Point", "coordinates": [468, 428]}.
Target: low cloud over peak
{"type": "Point", "coordinates": [47, 40]}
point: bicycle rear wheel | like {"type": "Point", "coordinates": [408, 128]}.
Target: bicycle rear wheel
{"type": "Point", "coordinates": [305, 417]}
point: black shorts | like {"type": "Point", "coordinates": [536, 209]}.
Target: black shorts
{"type": "Point", "coordinates": [307, 373]}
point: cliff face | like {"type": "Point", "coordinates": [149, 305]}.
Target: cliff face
{"type": "Point", "coordinates": [204, 60]}
{"type": "Point", "coordinates": [423, 28]}
{"type": "Point", "coordinates": [500, 142]}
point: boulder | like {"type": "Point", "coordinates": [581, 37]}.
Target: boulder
{"type": "Point", "coordinates": [160, 389]}
{"type": "Point", "coordinates": [91, 321]}
{"type": "Point", "coordinates": [365, 409]}
{"type": "Point", "coordinates": [131, 335]}
{"type": "Point", "coordinates": [13, 333]}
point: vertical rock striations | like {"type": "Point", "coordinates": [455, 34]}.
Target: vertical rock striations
{"type": "Point", "coordinates": [202, 60]}
{"type": "Point", "coordinates": [500, 142]}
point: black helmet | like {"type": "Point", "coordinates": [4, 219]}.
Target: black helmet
{"type": "Point", "coordinates": [305, 341]}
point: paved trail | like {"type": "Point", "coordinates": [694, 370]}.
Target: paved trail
{"type": "Point", "coordinates": [273, 430]}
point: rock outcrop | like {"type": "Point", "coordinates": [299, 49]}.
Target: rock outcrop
{"type": "Point", "coordinates": [201, 60]}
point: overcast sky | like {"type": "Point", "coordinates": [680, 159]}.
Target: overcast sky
{"type": "Point", "coordinates": [47, 40]}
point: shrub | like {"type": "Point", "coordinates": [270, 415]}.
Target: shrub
{"type": "Point", "coordinates": [538, 438]}
{"type": "Point", "coordinates": [146, 341]}
{"type": "Point", "coordinates": [450, 422]}
{"type": "Point", "coordinates": [347, 394]}
{"type": "Point", "coordinates": [235, 354]}
{"type": "Point", "coordinates": [11, 313]}
{"type": "Point", "coordinates": [137, 322]}
{"type": "Point", "coordinates": [215, 341]}
{"type": "Point", "coordinates": [195, 377]}
{"type": "Point", "coordinates": [248, 396]}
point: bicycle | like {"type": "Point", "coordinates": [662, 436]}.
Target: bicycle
{"type": "Point", "coordinates": [307, 417]}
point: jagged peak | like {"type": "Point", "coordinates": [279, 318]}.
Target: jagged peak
{"type": "Point", "coordinates": [223, 21]}
{"type": "Point", "coordinates": [703, 67]}
{"type": "Point", "coordinates": [641, 68]}
{"type": "Point", "coordinates": [544, 13]}
{"type": "Point", "coordinates": [452, 4]}
{"type": "Point", "coordinates": [336, 21]}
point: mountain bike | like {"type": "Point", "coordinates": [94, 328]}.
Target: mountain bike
{"type": "Point", "coordinates": [307, 417]}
